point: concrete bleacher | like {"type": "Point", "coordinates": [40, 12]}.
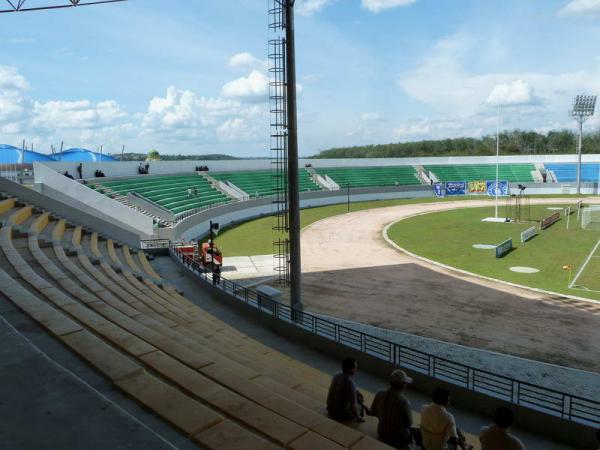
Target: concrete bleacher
{"type": "Point", "coordinates": [477, 172]}
{"type": "Point", "coordinates": [261, 183]}
{"type": "Point", "coordinates": [213, 383]}
{"type": "Point", "coordinates": [371, 176]}
{"type": "Point", "coordinates": [568, 172]}
{"type": "Point", "coordinates": [170, 192]}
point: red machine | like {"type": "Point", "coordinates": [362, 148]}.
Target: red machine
{"type": "Point", "coordinates": [211, 254]}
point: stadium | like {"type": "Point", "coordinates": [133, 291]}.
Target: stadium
{"type": "Point", "coordinates": [207, 303]}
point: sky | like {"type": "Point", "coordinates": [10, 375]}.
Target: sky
{"type": "Point", "coordinates": [191, 76]}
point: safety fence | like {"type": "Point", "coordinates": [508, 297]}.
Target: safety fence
{"type": "Point", "coordinates": [549, 401]}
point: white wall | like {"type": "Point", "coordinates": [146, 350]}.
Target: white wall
{"type": "Point", "coordinates": [129, 168]}
{"type": "Point", "coordinates": [70, 190]}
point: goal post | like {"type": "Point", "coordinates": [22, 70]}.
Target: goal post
{"type": "Point", "coordinates": [590, 217]}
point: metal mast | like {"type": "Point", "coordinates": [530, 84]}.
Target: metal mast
{"type": "Point", "coordinates": [284, 147]}
{"type": "Point", "coordinates": [583, 108]}
{"type": "Point", "coordinates": [23, 5]}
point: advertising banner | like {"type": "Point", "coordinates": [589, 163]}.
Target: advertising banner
{"type": "Point", "coordinates": [477, 187]}
{"type": "Point", "coordinates": [550, 220]}
{"type": "Point", "coordinates": [456, 188]}
{"type": "Point", "coordinates": [528, 234]}
{"type": "Point", "coordinates": [503, 188]}
{"type": "Point", "coordinates": [503, 248]}
{"type": "Point", "coordinates": [439, 189]}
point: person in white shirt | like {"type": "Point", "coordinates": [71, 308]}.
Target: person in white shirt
{"type": "Point", "coordinates": [438, 427]}
{"type": "Point", "coordinates": [497, 436]}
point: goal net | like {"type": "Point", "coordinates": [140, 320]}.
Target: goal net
{"type": "Point", "coordinates": [590, 218]}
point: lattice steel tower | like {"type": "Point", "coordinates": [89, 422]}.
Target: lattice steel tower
{"type": "Point", "coordinates": [284, 147]}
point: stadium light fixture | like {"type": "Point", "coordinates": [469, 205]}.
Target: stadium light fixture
{"type": "Point", "coordinates": [584, 107]}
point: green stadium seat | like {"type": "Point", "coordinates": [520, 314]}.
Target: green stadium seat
{"type": "Point", "coordinates": [372, 176]}
{"type": "Point", "coordinates": [477, 172]}
{"type": "Point", "coordinates": [261, 183]}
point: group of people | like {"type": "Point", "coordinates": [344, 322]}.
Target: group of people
{"type": "Point", "coordinates": [98, 173]}
{"type": "Point", "coordinates": [144, 169]}
{"type": "Point", "coordinates": [192, 192]}
{"type": "Point", "coordinates": [437, 430]}
{"type": "Point", "coordinates": [201, 168]}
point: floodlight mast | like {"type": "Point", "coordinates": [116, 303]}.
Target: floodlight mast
{"type": "Point", "coordinates": [21, 6]}
{"type": "Point", "coordinates": [584, 107]}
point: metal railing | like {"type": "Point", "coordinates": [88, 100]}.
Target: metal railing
{"type": "Point", "coordinates": [549, 401]}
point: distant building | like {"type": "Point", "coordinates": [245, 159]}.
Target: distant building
{"type": "Point", "coordinates": [82, 155]}
{"type": "Point", "coordinates": [13, 155]}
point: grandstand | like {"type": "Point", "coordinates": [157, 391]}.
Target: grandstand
{"type": "Point", "coordinates": [568, 172]}
{"type": "Point", "coordinates": [170, 192]}
{"type": "Point", "coordinates": [475, 172]}
{"type": "Point", "coordinates": [260, 183]}
{"type": "Point", "coordinates": [371, 176]}
{"type": "Point", "coordinates": [207, 379]}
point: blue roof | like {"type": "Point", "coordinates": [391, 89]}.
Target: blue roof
{"type": "Point", "coordinates": [81, 155]}
{"type": "Point", "coordinates": [12, 155]}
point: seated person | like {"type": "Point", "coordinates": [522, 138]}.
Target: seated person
{"type": "Point", "coordinates": [394, 412]}
{"type": "Point", "coordinates": [438, 427]}
{"type": "Point", "coordinates": [344, 402]}
{"type": "Point", "coordinates": [497, 436]}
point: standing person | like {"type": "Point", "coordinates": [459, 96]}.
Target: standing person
{"type": "Point", "coordinates": [80, 171]}
{"type": "Point", "coordinates": [344, 401]}
{"type": "Point", "coordinates": [498, 436]}
{"type": "Point", "coordinates": [216, 272]}
{"type": "Point", "coordinates": [189, 192]}
{"type": "Point", "coordinates": [438, 427]}
{"type": "Point", "coordinates": [394, 412]}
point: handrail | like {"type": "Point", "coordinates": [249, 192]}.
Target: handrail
{"type": "Point", "coordinates": [528, 395]}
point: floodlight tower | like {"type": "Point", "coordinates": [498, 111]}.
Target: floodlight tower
{"type": "Point", "coordinates": [284, 147]}
{"type": "Point", "coordinates": [583, 108]}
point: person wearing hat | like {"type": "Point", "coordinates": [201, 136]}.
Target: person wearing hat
{"type": "Point", "coordinates": [394, 412]}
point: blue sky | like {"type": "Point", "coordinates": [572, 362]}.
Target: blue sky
{"type": "Point", "coordinates": [193, 79]}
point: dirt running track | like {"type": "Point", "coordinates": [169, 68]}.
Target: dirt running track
{"type": "Point", "coordinates": [351, 272]}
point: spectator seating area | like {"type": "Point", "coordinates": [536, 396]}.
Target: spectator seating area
{"type": "Point", "coordinates": [261, 183]}
{"type": "Point", "coordinates": [216, 385]}
{"type": "Point", "coordinates": [476, 172]}
{"type": "Point", "coordinates": [170, 192]}
{"type": "Point", "coordinates": [568, 172]}
{"type": "Point", "coordinates": [371, 176]}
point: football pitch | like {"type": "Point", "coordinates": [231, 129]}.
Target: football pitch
{"type": "Point", "coordinates": [559, 259]}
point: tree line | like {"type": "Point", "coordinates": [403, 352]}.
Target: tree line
{"type": "Point", "coordinates": [516, 142]}
{"type": "Point", "coordinates": [163, 157]}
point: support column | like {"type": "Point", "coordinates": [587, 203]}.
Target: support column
{"type": "Point", "coordinates": [293, 188]}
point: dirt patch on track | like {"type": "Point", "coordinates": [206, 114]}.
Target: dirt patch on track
{"type": "Point", "coordinates": [352, 273]}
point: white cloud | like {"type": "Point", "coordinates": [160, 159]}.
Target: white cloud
{"type": "Point", "coordinates": [377, 6]}
{"type": "Point", "coordinates": [581, 7]}
{"type": "Point", "coordinates": [245, 61]}
{"type": "Point", "coordinates": [253, 88]}
{"type": "Point", "coordinates": [80, 114]}
{"type": "Point", "coordinates": [515, 93]}
{"type": "Point", "coordinates": [308, 7]}
{"type": "Point", "coordinates": [370, 116]}
{"type": "Point", "coordinates": [10, 80]}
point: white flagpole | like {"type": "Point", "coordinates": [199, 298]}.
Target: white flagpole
{"type": "Point", "coordinates": [497, 154]}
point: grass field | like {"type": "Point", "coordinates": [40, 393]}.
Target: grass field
{"type": "Point", "coordinates": [255, 237]}
{"type": "Point", "coordinates": [449, 236]}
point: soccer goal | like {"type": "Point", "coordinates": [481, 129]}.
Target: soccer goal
{"type": "Point", "coordinates": [590, 218]}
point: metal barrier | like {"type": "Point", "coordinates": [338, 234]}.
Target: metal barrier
{"type": "Point", "coordinates": [155, 244]}
{"type": "Point", "coordinates": [520, 393]}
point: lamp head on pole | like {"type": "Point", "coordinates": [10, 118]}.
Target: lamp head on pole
{"type": "Point", "coordinates": [584, 107]}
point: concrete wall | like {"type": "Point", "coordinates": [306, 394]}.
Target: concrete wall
{"type": "Point", "coordinates": [74, 191]}
{"type": "Point", "coordinates": [571, 433]}
{"type": "Point", "coordinates": [197, 225]}
{"type": "Point", "coordinates": [72, 212]}
{"type": "Point", "coordinates": [129, 168]}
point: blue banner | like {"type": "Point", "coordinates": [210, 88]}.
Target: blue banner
{"type": "Point", "coordinates": [456, 188]}
{"type": "Point", "coordinates": [503, 188]}
{"type": "Point", "coordinates": [439, 189]}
